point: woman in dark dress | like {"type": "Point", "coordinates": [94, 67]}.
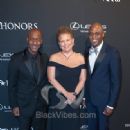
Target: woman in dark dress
{"type": "Point", "coordinates": [67, 75]}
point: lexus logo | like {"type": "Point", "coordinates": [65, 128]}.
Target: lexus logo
{"type": "Point", "coordinates": [76, 26]}
{"type": "Point", "coordinates": [83, 28]}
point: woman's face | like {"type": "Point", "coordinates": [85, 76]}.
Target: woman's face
{"type": "Point", "coordinates": [66, 42]}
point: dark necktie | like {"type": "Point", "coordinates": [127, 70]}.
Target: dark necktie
{"type": "Point", "coordinates": [34, 68]}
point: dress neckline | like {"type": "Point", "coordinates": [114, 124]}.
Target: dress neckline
{"type": "Point", "coordinates": [66, 66]}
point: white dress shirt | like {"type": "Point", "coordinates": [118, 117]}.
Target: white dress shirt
{"type": "Point", "coordinates": [93, 55]}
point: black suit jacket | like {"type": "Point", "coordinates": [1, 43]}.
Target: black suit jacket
{"type": "Point", "coordinates": [24, 91]}
{"type": "Point", "coordinates": [103, 85]}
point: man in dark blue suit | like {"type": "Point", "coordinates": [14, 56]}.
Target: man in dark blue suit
{"type": "Point", "coordinates": [104, 79]}
{"type": "Point", "coordinates": [27, 76]}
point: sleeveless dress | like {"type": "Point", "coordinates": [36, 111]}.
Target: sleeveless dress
{"type": "Point", "coordinates": [68, 117]}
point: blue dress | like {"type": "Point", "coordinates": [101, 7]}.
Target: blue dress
{"type": "Point", "coordinates": [68, 117]}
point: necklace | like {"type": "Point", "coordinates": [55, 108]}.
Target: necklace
{"type": "Point", "coordinates": [67, 56]}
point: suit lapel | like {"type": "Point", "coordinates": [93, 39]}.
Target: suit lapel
{"type": "Point", "coordinates": [100, 58]}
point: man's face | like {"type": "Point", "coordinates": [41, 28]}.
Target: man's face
{"type": "Point", "coordinates": [34, 41]}
{"type": "Point", "coordinates": [96, 35]}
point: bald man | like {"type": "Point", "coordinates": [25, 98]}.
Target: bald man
{"type": "Point", "coordinates": [104, 78]}
{"type": "Point", "coordinates": [27, 75]}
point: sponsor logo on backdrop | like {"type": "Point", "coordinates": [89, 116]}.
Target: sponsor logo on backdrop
{"type": "Point", "coordinates": [5, 56]}
{"type": "Point", "coordinates": [11, 128]}
{"type": "Point", "coordinates": [83, 28]}
{"type": "Point", "coordinates": [127, 125]}
{"type": "Point", "coordinates": [4, 83]}
{"type": "Point", "coordinates": [108, 1]}
{"type": "Point", "coordinates": [17, 26]}
{"type": "Point", "coordinates": [113, 1]}
{"type": "Point", "coordinates": [5, 108]}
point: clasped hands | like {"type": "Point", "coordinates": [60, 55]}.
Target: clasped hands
{"type": "Point", "coordinates": [70, 97]}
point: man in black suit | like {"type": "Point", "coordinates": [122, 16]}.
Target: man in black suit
{"type": "Point", "coordinates": [104, 79]}
{"type": "Point", "coordinates": [27, 75]}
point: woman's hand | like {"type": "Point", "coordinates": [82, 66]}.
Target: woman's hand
{"type": "Point", "coordinates": [70, 97]}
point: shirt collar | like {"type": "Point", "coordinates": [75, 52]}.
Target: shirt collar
{"type": "Point", "coordinates": [99, 47]}
{"type": "Point", "coordinates": [30, 56]}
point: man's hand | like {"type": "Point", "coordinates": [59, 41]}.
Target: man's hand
{"type": "Point", "coordinates": [108, 111]}
{"type": "Point", "coordinates": [16, 111]}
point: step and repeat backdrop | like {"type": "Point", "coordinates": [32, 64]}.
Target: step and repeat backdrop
{"type": "Point", "coordinates": [17, 17]}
